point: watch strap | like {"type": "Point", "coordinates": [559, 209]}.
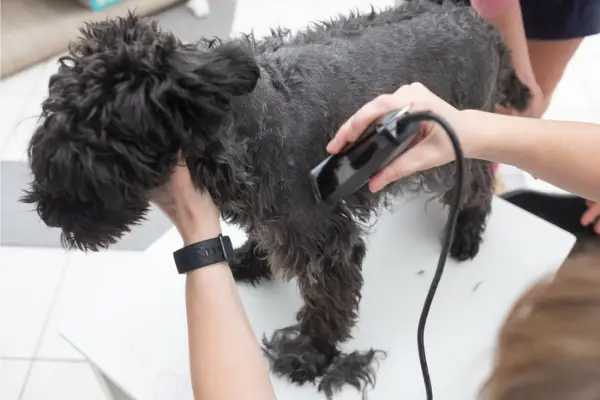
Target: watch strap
{"type": "Point", "coordinates": [202, 254]}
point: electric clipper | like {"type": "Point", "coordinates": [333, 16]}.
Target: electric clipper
{"type": "Point", "coordinates": [342, 174]}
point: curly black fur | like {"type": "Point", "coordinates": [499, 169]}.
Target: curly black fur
{"type": "Point", "coordinates": [356, 369]}
{"type": "Point", "coordinates": [252, 117]}
{"type": "Point", "coordinates": [250, 263]}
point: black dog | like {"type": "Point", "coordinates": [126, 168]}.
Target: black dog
{"type": "Point", "coordinates": [251, 118]}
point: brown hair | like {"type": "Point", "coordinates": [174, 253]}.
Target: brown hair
{"type": "Point", "coordinates": [549, 346]}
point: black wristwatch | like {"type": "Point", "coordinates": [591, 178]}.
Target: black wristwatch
{"type": "Point", "coordinates": [201, 254]}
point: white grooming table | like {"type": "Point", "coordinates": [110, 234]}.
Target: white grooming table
{"type": "Point", "coordinates": [135, 334]}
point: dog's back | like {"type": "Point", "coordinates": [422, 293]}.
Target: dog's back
{"type": "Point", "coordinates": [413, 40]}
{"type": "Point", "coordinates": [315, 80]}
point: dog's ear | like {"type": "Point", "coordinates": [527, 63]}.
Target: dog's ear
{"type": "Point", "coordinates": [209, 77]}
{"type": "Point", "coordinates": [230, 67]}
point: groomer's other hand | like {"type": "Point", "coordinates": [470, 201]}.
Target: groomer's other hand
{"type": "Point", "coordinates": [431, 148]}
{"type": "Point", "coordinates": [592, 216]}
{"type": "Point", "coordinates": [191, 210]}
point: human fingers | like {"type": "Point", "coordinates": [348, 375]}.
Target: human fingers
{"type": "Point", "coordinates": [416, 96]}
{"type": "Point", "coordinates": [354, 127]}
{"type": "Point", "coordinates": [422, 156]}
{"type": "Point", "coordinates": [597, 228]}
{"type": "Point", "coordinates": [591, 215]}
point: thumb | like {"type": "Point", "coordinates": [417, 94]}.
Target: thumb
{"type": "Point", "coordinates": [418, 158]}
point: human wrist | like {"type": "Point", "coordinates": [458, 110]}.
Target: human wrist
{"type": "Point", "coordinates": [198, 231]}
{"type": "Point", "coordinates": [474, 133]}
{"type": "Point", "coordinates": [500, 138]}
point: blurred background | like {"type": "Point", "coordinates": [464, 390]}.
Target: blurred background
{"type": "Point", "coordinates": [41, 284]}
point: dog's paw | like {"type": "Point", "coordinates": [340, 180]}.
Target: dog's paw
{"type": "Point", "coordinates": [465, 245]}
{"type": "Point", "coordinates": [356, 369]}
{"type": "Point", "coordinates": [246, 266]}
{"type": "Point", "coordinates": [295, 356]}
{"type": "Point", "coordinates": [468, 234]}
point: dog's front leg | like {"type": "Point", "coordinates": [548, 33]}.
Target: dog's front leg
{"type": "Point", "coordinates": [330, 285]}
{"type": "Point", "coordinates": [250, 263]}
{"type": "Point", "coordinates": [475, 209]}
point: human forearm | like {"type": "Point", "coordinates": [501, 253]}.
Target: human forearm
{"type": "Point", "coordinates": [225, 357]}
{"type": "Point", "coordinates": [562, 153]}
{"type": "Point", "coordinates": [226, 362]}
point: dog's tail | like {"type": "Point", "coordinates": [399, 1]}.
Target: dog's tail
{"type": "Point", "coordinates": [515, 94]}
{"type": "Point", "coordinates": [512, 92]}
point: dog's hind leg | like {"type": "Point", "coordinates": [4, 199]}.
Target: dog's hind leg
{"type": "Point", "coordinates": [330, 281]}
{"type": "Point", "coordinates": [250, 263]}
{"type": "Point", "coordinates": [475, 209]}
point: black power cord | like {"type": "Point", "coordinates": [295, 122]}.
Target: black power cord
{"type": "Point", "coordinates": [448, 236]}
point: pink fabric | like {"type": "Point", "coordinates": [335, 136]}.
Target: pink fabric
{"type": "Point", "coordinates": [495, 167]}
{"type": "Point", "coordinates": [493, 8]}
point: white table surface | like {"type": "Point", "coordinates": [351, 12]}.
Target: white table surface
{"type": "Point", "coordinates": [135, 333]}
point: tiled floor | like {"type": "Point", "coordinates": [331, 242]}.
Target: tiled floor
{"type": "Point", "coordinates": [40, 286]}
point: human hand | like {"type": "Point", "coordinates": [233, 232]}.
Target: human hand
{"type": "Point", "coordinates": [431, 147]}
{"type": "Point", "coordinates": [192, 211]}
{"type": "Point", "coordinates": [592, 216]}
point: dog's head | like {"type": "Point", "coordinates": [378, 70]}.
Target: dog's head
{"type": "Point", "coordinates": [125, 100]}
